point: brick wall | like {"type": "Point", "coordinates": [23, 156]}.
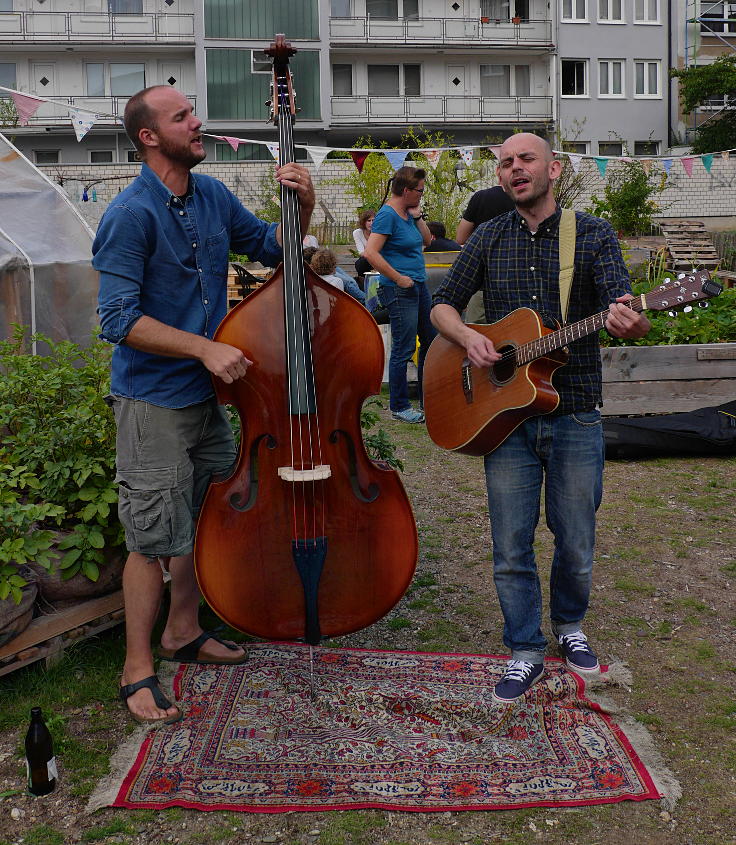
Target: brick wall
{"type": "Point", "coordinates": [702, 195]}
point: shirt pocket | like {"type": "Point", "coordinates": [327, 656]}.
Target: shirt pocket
{"type": "Point", "coordinates": [218, 249]}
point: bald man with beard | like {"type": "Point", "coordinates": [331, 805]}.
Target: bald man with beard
{"type": "Point", "coordinates": [514, 260]}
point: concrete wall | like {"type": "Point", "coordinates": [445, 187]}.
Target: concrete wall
{"type": "Point", "coordinates": [704, 195]}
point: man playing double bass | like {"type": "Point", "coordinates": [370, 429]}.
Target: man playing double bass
{"type": "Point", "coordinates": [162, 253]}
{"type": "Point", "coordinates": [514, 260]}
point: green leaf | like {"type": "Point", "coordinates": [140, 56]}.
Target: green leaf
{"type": "Point", "coordinates": [91, 570]}
{"type": "Point", "coordinates": [96, 540]}
{"type": "Point", "coordinates": [70, 558]}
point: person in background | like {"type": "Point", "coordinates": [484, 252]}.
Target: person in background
{"type": "Point", "coordinates": [440, 242]}
{"type": "Point", "coordinates": [514, 261]}
{"type": "Point", "coordinates": [350, 286]}
{"type": "Point", "coordinates": [324, 262]}
{"type": "Point", "coordinates": [310, 241]}
{"type": "Point", "coordinates": [394, 249]}
{"type": "Point", "coordinates": [162, 254]}
{"type": "Point", "coordinates": [483, 206]}
{"type": "Point", "coordinates": [360, 236]}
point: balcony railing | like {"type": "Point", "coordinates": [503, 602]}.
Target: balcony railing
{"type": "Point", "coordinates": [54, 113]}
{"type": "Point", "coordinates": [458, 31]}
{"type": "Point", "coordinates": [450, 108]}
{"type": "Point", "coordinates": [80, 26]}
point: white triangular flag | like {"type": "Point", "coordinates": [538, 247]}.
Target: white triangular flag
{"type": "Point", "coordinates": [467, 154]}
{"type": "Point", "coordinates": [432, 156]}
{"type": "Point", "coordinates": [575, 159]}
{"type": "Point", "coordinates": [82, 122]}
{"type": "Point", "coordinates": [274, 150]}
{"type": "Point", "coordinates": [318, 155]}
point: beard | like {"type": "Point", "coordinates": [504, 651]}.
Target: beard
{"type": "Point", "coordinates": [180, 153]}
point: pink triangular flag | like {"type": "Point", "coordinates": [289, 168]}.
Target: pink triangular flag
{"type": "Point", "coordinates": [687, 163]}
{"type": "Point", "coordinates": [26, 106]}
{"type": "Point", "coordinates": [234, 142]}
{"type": "Point", "coordinates": [575, 159]}
{"type": "Point", "coordinates": [432, 156]}
{"type": "Point", "coordinates": [496, 150]}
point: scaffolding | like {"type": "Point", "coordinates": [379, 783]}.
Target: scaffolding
{"type": "Point", "coordinates": [714, 21]}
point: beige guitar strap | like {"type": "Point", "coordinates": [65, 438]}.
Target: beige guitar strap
{"type": "Point", "coordinates": [567, 257]}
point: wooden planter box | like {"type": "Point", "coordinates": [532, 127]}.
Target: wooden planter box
{"type": "Point", "coordinates": [667, 379]}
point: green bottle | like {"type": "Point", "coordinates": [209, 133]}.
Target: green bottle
{"type": "Point", "coordinates": [40, 760]}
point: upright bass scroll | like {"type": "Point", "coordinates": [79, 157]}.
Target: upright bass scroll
{"type": "Point", "coordinates": [308, 537]}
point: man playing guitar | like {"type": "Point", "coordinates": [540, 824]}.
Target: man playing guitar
{"type": "Point", "coordinates": [514, 260]}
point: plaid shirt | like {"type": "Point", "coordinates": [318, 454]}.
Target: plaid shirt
{"type": "Point", "coordinates": [516, 269]}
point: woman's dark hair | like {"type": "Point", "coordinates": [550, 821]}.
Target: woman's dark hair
{"type": "Point", "coordinates": [308, 252]}
{"type": "Point", "coordinates": [324, 262]}
{"type": "Point", "coordinates": [365, 216]}
{"type": "Point", "coordinates": [406, 177]}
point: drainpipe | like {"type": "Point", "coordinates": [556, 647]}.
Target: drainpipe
{"type": "Point", "coordinates": [670, 32]}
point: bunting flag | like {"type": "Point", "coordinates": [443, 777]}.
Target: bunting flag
{"type": "Point", "coordinates": [646, 165]}
{"type": "Point", "coordinates": [602, 165]}
{"type": "Point", "coordinates": [273, 149]}
{"type": "Point", "coordinates": [82, 122]}
{"type": "Point", "coordinates": [707, 160]}
{"type": "Point", "coordinates": [687, 164]}
{"type": "Point", "coordinates": [396, 157]}
{"type": "Point", "coordinates": [467, 154]}
{"type": "Point", "coordinates": [433, 157]}
{"type": "Point", "coordinates": [496, 150]}
{"type": "Point", "coordinates": [359, 158]}
{"type": "Point", "coordinates": [26, 106]}
{"type": "Point", "coordinates": [318, 155]}
{"type": "Point", "coordinates": [725, 154]}
{"type": "Point", "coordinates": [234, 142]}
{"type": "Point", "coordinates": [575, 159]}
{"type": "Point", "coordinates": [667, 164]}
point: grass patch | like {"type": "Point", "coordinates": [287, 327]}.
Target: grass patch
{"type": "Point", "coordinates": [398, 623]}
{"type": "Point", "coordinates": [43, 834]}
{"type": "Point", "coordinates": [112, 828]}
{"type": "Point", "coordinates": [352, 828]}
{"type": "Point", "coordinates": [630, 585]}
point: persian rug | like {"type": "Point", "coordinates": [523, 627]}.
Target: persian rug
{"type": "Point", "coordinates": [390, 730]}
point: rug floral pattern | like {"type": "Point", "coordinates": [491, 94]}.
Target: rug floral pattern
{"type": "Point", "coordinates": [392, 730]}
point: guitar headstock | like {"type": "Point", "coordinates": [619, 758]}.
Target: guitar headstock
{"type": "Point", "coordinates": [681, 289]}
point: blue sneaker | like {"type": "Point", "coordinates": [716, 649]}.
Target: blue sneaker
{"type": "Point", "coordinates": [578, 655]}
{"type": "Point", "coordinates": [408, 415]}
{"type": "Point", "coordinates": [517, 679]}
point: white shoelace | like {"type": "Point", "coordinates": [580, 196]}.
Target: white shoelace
{"type": "Point", "coordinates": [518, 670]}
{"type": "Point", "coordinates": [577, 641]}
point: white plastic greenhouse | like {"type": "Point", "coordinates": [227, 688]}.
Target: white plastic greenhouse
{"type": "Point", "coordinates": [46, 277]}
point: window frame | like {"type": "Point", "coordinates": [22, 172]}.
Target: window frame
{"type": "Point", "coordinates": [608, 19]}
{"type": "Point", "coordinates": [610, 63]}
{"type": "Point", "coordinates": [645, 19]}
{"type": "Point", "coordinates": [256, 59]}
{"type": "Point", "coordinates": [647, 95]}
{"type": "Point", "coordinates": [584, 144]}
{"type": "Point", "coordinates": [657, 147]}
{"type": "Point", "coordinates": [586, 80]}
{"type": "Point", "coordinates": [90, 153]}
{"type": "Point", "coordinates": [14, 86]}
{"type": "Point", "coordinates": [333, 65]}
{"type": "Point", "coordinates": [513, 92]}
{"type": "Point", "coordinates": [46, 163]}
{"type": "Point", "coordinates": [573, 18]}
{"type": "Point", "coordinates": [401, 80]}
{"type": "Point", "coordinates": [619, 154]}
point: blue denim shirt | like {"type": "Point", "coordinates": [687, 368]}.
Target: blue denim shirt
{"type": "Point", "coordinates": [167, 259]}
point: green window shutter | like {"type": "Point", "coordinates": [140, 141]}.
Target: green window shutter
{"type": "Point", "coordinates": [261, 18]}
{"type": "Point", "coordinates": [235, 93]}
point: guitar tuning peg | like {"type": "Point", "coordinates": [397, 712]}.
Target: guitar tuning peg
{"type": "Point", "coordinates": [671, 314]}
{"type": "Point", "coordinates": [687, 309]}
{"type": "Point", "coordinates": [703, 304]}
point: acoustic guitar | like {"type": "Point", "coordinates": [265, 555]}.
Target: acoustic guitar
{"type": "Point", "coordinates": [472, 410]}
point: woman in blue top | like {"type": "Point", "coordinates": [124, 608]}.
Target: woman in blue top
{"type": "Point", "coordinates": [394, 249]}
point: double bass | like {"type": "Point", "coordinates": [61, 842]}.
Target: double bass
{"type": "Point", "coordinates": [308, 537]}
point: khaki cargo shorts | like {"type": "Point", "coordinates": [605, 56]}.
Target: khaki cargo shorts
{"type": "Point", "coordinates": [165, 460]}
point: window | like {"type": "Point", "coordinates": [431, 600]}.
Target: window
{"type": "Point", "coordinates": [611, 78]}
{"type": "Point", "coordinates": [7, 74]}
{"type": "Point", "coordinates": [340, 9]}
{"type": "Point", "coordinates": [125, 7]}
{"type": "Point", "coordinates": [712, 18]}
{"type": "Point", "coordinates": [504, 10]}
{"type": "Point", "coordinates": [579, 147]}
{"type": "Point", "coordinates": [132, 157]}
{"type": "Point", "coordinates": [496, 80]}
{"type": "Point", "coordinates": [521, 79]}
{"type": "Point", "coordinates": [646, 75]}
{"type": "Point", "coordinates": [574, 78]}
{"type": "Point", "coordinates": [394, 80]}
{"type": "Point", "coordinates": [646, 148]}
{"type": "Point", "coordinates": [646, 11]}
{"type": "Point", "coordinates": [126, 79]}
{"type": "Point", "coordinates": [610, 11]}
{"type": "Point", "coordinates": [6, 5]}
{"type": "Point", "coordinates": [574, 10]}
{"type": "Point", "coordinates": [260, 62]}
{"type": "Point", "coordinates": [95, 78]}
{"type": "Point", "coordinates": [100, 156]}
{"type": "Point", "coordinates": [342, 80]}
{"type": "Point", "coordinates": [610, 148]}
{"type": "Point", "coordinates": [46, 156]}
{"type": "Point", "coordinates": [393, 9]}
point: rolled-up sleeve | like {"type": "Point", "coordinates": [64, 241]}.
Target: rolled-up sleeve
{"type": "Point", "coordinates": [252, 236]}
{"type": "Point", "coordinates": [119, 255]}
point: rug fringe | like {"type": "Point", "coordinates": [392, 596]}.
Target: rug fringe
{"type": "Point", "coordinates": [636, 733]}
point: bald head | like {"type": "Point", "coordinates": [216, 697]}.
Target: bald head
{"type": "Point", "coordinates": [526, 140]}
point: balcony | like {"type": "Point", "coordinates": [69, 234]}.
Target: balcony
{"type": "Point", "coordinates": [54, 113]}
{"type": "Point", "coordinates": [51, 27]}
{"type": "Point", "coordinates": [478, 32]}
{"type": "Point", "coordinates": [439, 109]}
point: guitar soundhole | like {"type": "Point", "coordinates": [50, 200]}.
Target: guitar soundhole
{"type": "Point", "coordinates": [503, 371]}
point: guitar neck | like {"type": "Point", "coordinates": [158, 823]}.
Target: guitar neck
{"type": "Point", "coordinates": [542, 346]}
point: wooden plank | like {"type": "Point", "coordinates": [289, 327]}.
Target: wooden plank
{"type": "Point", "coordinates": [678, 362]}
{"type": "Point", "coordinates": [664, 397]}
{"type": "Point", "coordinates": [61, 621]}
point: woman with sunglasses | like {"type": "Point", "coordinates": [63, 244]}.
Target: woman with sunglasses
{"type": "Point", "coordinates": [394, 249]}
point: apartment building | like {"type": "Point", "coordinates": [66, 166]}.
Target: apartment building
{"type": "Point", "coordinates": [475, 69]}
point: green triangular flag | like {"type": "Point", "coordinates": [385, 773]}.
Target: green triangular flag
{"type": "Point", "coordinates": [602, 164]}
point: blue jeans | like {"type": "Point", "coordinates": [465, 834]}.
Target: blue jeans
{"type": "Point", "coordinates": [566, 453]}
{"type": "Point", "coordinates": [408, 312]}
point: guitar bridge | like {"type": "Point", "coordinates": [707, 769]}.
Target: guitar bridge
{"type": "Point", "coordinates": [467, 379]}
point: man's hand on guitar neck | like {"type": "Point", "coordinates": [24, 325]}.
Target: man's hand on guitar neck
{"type": "Point", "coordinates": [624, 322]}
{"type": "Point", "coordinates": [481, 351]}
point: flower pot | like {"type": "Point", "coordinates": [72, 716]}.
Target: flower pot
{"type": "Point", "coordinates": [15, 618]}
{"type": "Point", "coordinates": [485, 20]}
{"type": "Point", "coordinates": [516, 20]}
